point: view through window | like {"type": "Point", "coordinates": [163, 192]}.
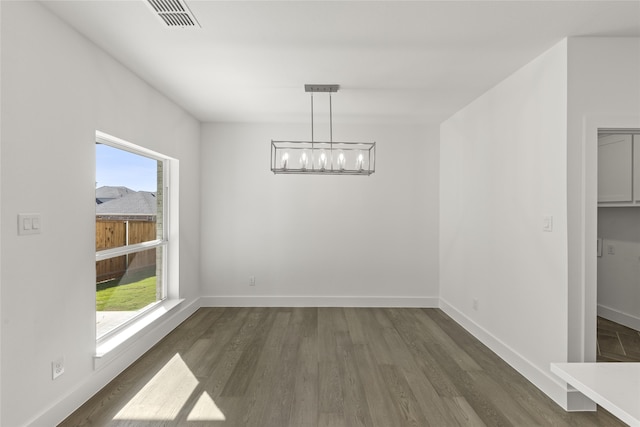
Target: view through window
{"type": "Point", "coordinates": [130, 235]}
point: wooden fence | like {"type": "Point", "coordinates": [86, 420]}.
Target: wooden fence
{"type": "Point", "coordinates": [117, 233]}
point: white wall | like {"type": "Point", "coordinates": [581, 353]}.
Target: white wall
{"type": "Point", "coordinates": [57, 90]}
{"type": "Point", "coordinates": [525, 149]}
{"type": "Point", "coordinates": [619, 272]}
{"type": "Point", "coordinates": [0, 218]}
{"type": "Point", "coordinates": [604, 92]}
{"type": "Point", "coordinates": [319, 240]}
{"type": "Point", "coordinates": [503, 168]}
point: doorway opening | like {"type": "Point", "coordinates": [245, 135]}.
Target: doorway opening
{"type": "Point", "coordinates": [618, 246]}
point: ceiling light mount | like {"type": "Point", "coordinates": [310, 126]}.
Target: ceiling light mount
{"type": "Point", "coordinates": [321, 88]}
{"type": "Point", "coordinates": [323, 157]}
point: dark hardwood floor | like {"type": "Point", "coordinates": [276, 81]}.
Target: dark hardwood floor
{"type": "Point", "coordinates": [323, 367]}
{"type": "Point", "coordinates": [617, 343]}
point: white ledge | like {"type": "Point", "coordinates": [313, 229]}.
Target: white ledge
{"type": "Point", "coordinates": [614, 386]}
{"type": "Point", "coordinates": [127, 335]}
{"type": "Point", "coordinates": [129, 249]}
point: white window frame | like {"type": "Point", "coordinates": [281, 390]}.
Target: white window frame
{"type": "Point", "coordinates": [168, 243]}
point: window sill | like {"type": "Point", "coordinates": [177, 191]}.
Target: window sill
{"type": "Point", "coordinates": [107, 349]}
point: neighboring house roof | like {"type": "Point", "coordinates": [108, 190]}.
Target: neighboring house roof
{"type": "Point", "coordinates": [134, 203]}
{"type": "Point", "coordinates": [106, 193]}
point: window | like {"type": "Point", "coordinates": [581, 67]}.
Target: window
{"type": "Point", "coordinates": [131, 233]}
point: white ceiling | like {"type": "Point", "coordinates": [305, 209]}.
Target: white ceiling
{"type": "Point", "coordinates": [396, 61]}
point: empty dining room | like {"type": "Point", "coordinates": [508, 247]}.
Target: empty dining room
{"type": "Point", "coordinates": [282, 213]}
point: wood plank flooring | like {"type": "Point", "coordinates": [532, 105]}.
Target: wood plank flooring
{"type": "Point", "coordinates": [323, 367]}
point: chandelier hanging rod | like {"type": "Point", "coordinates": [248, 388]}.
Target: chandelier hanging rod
{"type": "Point", "coordinates": [324, 89]}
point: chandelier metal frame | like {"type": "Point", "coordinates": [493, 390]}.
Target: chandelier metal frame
{"type": "Point", "coordinates": [323, 157]}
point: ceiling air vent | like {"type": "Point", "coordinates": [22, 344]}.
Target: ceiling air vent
{"type": "Point", "coordinates": [174, 13]}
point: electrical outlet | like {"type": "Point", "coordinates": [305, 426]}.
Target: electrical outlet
{"type": "Point", "coordinates": [57, 368]}
{"type": "Point", "coordinates": [252, 280]}
{"type": "Point", "coordinates": [475, 304]}
{"type": "Point", "coordinates": [611, 250]}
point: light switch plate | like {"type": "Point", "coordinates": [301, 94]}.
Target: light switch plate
{"type": "Point", "coordinates": [547, 223]}
{"type": "Point", "coordinates": [29, 224]}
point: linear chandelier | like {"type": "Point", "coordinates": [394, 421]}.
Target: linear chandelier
{"type": "Point", "coordinates": [323, 157]}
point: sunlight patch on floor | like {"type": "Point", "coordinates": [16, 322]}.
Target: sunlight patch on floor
{"type": "Point", "coordinates": [167, 393]}
{"type": "Point", "coordinates": [206, 410]}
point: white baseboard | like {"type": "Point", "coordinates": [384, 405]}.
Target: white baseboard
{"type": "Point", "coordinates": [317, 301]}
{"type": "Point", "coordinates": [620, 317]}
{"type": "Point", "coordinates": [543, 379]}
{"type": "Point", "coordinates": [65, 406]}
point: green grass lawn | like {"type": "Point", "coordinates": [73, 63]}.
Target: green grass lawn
{"type": "Point", "coordinates": [130, 293]}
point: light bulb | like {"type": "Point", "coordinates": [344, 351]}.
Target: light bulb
{"type": "Point", "coordinates": [360, 162]}
{"type": "Point", "coordinates": [304, 161]}
{"type": "Point", "coordinates": [285, 160]}
{"type": "Point", "coordinates": [341, 161]}
{"type": "Point", "coordinates": [322, 162]}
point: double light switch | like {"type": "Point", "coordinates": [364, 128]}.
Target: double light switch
{"type": "Point", "coordinates": [29, 224]}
